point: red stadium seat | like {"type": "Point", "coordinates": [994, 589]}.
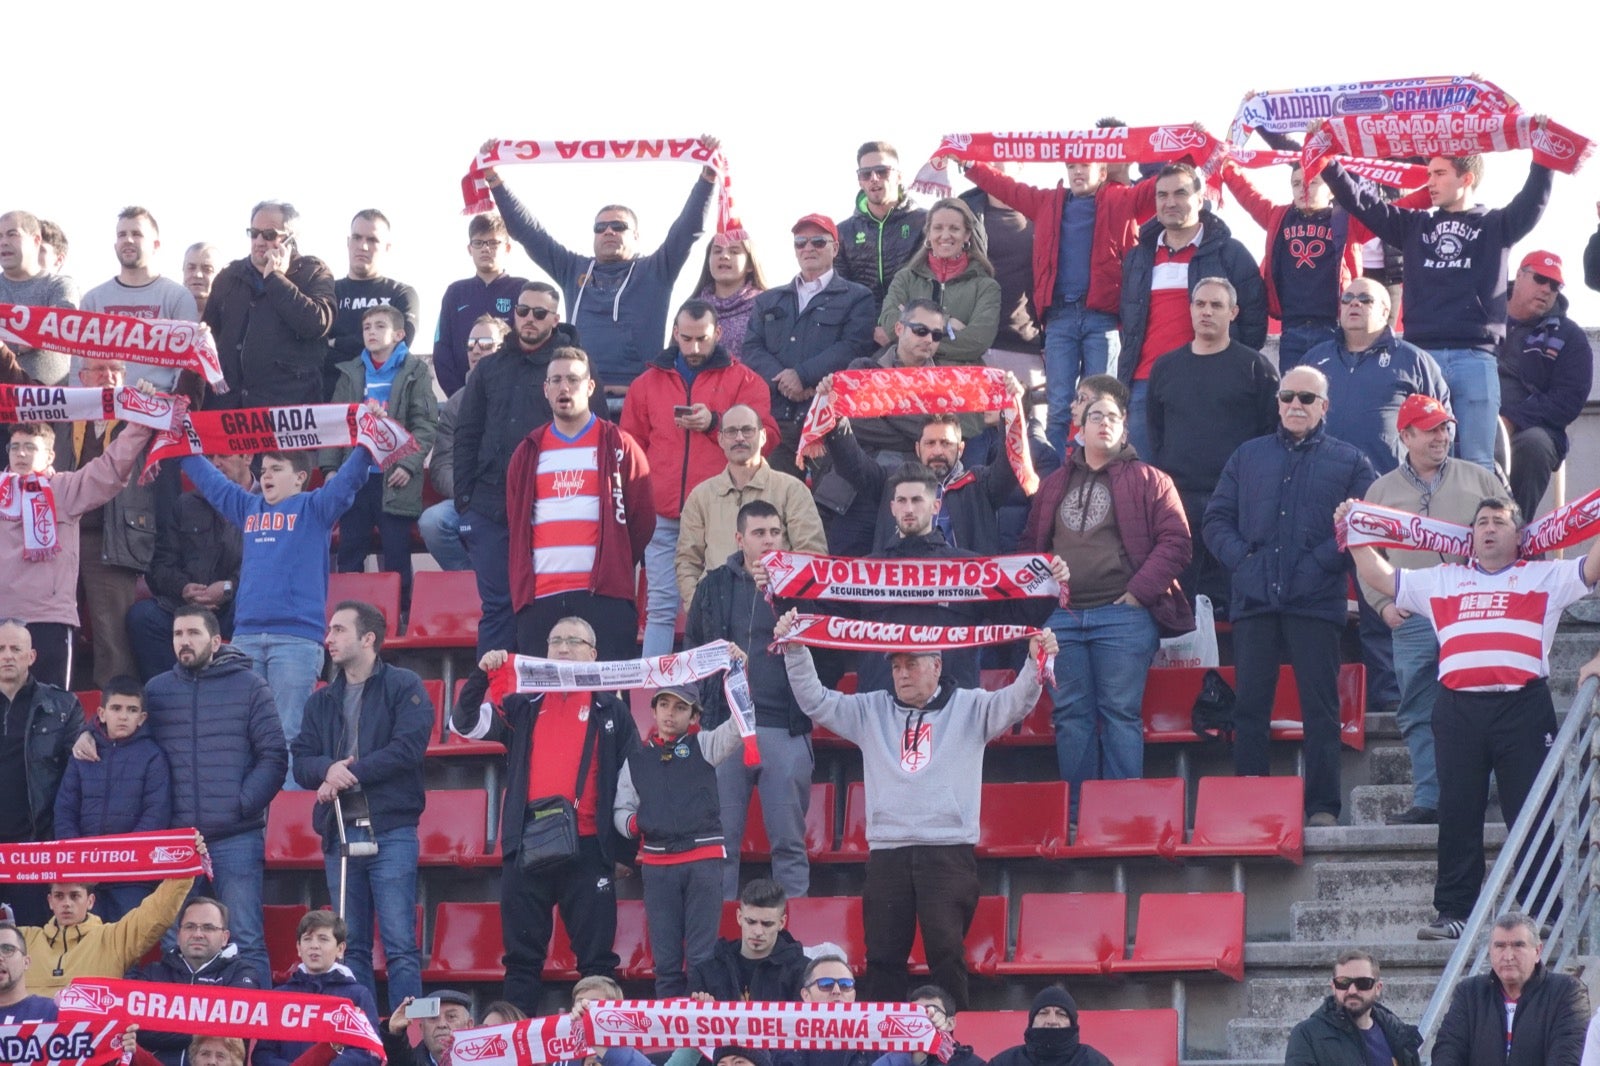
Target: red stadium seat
{"type": "Point", "coordinates": [632, 943]}
{"type": "Point", "coordinates": [756, 847]}
{"type": "Point", "coordinates": [1036, 730]}
{"type": "Point", "coordinates": [990, 1032]}
{"type": "Point", "coordinates": [453, 744]}
{"type": "Point", "coordinates": [1248, 816]}
{"type": "Point", "coordinates": [985, 942]}
{"type": "Point", "coordinates": [445, 610]}
{"type": "Point", "coordinates": [453, 829]}
{"type": "Point", "coordinates": [1188, 931]}
{"type": "Point", "coordinates": [1146, 1037]}
{"type": "Point", "coordinates": [1070, 933]}
{"type": "Point", "coordinates": [280, 924]}
{"type": "Point", "coordinates": [814, 919]}
{"type": "Point", "coordinates": [90, 699]}
{"type": "Point", "coordinates": [853, 844]}
{"type": "Point", "coordinates": [467, 944]}
{"type": "Point", "coordinates": [292, 841]}
{"type": "Point", "coordinates": [1169, 695]}
{"type": "Point", "coordinates": [1024, 820]}
{"type": "Point", "coordinates": [1118, 819]}
{"type": "Point", "coordinates": [382, 590]}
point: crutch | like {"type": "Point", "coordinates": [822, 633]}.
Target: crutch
{"type": "Point", "coordinates": [347, 850]}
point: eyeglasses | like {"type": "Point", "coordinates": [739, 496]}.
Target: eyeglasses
{"type": "Point", "coordinates": [815, 242]}
{"type": "Point", "coordinates": [1364, 984]}
{"type": "Point", "coordinates": [271, 236]}
{"type": "Point", "coordinates": [739, 431]}
{"type": "Point", "coordinates": [1542, 279]}
{"type": "Point", "coordinates": [919, 330]}
{"type": "Point", "coordinates": [16, 448]}
{"type": "Point", "coordinates": [481, 342]}
{"type": "Point", "coordinates": [1095, 418]}
{"type": "Point", "coordinates": [828, 984]}
{"type": "Point", "coordinates": [483, 244]}
{"type": "Point", "coordinates": [615, 225]}
{"type": "Point", "coordinates": [1363, 298]}
{"type": "Point", "coordinates": [8, 951]}
{"type": "Point", "coordinates": [208, 929]}
{"type": "Point", "coordinates": [571, 379]}
{"type": "Point", "coordinates": [881, 173]}
{"type": "Point", "coordinates": [539, 313]}
{"type": "Point", "coordinates": [1290, 396]}
{"type": "Point", "coordinates": [570, 642]}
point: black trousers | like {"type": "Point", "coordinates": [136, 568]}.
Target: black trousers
{"type": "Point", "coordinates": [1260, 645]}
{"type": "Point", "coordinates": [582, 888]}
{"type": "Point", "coordinates": [53, 642]}
{"type": "Point", "coordinates": [1204, 575]}
{"type": "Point", "coordinates": [394, 536]}
{"type": "Point", "coordinates": [1474, 734]}
{"type": "Point", "coordinates": [933, 885]}
{"type": "Point", "coordinates": [615, 622]}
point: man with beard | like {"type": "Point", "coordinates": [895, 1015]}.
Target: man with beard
{"type": "Point", "coordinates": [1052, 1037]}
{"type": "Point", "coordinates": [884, 230]}
{"type": "Point", "coordinates": [139, 292]}
{"type": "Point", "coordinates": [1352, 1028]}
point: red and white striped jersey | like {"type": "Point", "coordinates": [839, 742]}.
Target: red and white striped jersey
{"type": "Point", "coordinates": [1495, 629]}
{"type": "Point", "coordinates": [566, 511]}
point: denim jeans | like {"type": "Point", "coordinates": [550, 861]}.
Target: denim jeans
{"type": "Point", "coordinates": [1474, 384]}
{"type": "Point", "coordinates": [488, 543]}
{"type": "Point", "coordinates": [1416, 665]}
{"type": "Point", "coordinates": [441, 532]}
{"type": "Point", "coordinates": [1078, 342]}
{"type": "Point", "coordinates": [237, 863]}
{"type": "Point", "coordinates": [291, 666]}
{"type": "Point", "coordinates": [1138, 418]}
{"type": "Point", "coordinates": [382, 886]}
{"type": "Point", "coordinates": [661, 577]}
{"type": "Point", "coordinates": [1100, 675]}
{"type": "Point", "coordinates": [1295, 341]}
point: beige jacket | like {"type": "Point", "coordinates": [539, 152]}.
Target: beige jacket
{"type": "Point", "coordinates": [1464, 485]}
{"type": "Point", "coordinates": [705, 535]}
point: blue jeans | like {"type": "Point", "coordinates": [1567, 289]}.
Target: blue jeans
{"type": "Point", "coordinates": [383, 885]}
{"type": "Point", "coordinates": [441, 532]}
{"type": "Point", "coordinates": [1100, 674]}
{"type": "Point", "coordinates": [1474, 399]}
{"type": "Point", "coordinates": [1295, 341]}
{"type": "Point", "coordinates": [290, 666]}
{"type": "Point", "coordinates": [661, 577]}
{"type": "Point", "coordinates": [1138, 419]}
{"type": "Point", "coordinates": [1078, 342]}
{"type": "Point", "coordinates": [1416, 664]}
{"type": "Point", "coordinates": [237, 863]}
{"type": "Point", "coordinates": [488, 544]}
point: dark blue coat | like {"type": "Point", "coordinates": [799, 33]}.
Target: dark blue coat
{"type": "Point", "coordinates": [1270, 522]}
{"type": "Point", "coordinates": [835, 328]}
{"type": "Point", "coordinates": [339, 982]}
{"type": "Point", "coordinates": [128, 791]}
{"type": "Point", "coordinates": [1546, 369]}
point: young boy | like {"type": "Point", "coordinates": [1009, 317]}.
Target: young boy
{"type": "Point", "coordinates": [280, 612]}
{"type": "Point", "coordinates": [320, 943]}
{"type": "Point", "coordinates": [667, 797]}
{"type": "Point", "coordinates": [388, 374]}
{"type": "Point", "coordinates": [129, 790]}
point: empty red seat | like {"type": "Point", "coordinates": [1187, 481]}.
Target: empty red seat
{"type": "Point", "coordinates": [1023, 820]}
{"type": "Point", "coordinates": [990, 1032]}
{"type": "Point", "coordinates": [1146, 1037]}
{"type": "Point", "coordinates": [292, 841]}
{"type": "Point", "coordinates": [756, 847]}
{"type": "Point", "coordinates": [90, 699]}
{"type": "Point", "coordinates": [453, 829]}
{"type": "Point", "coordinates": [442, 742]}
{"type": "Point", "coordinates": [467, 944]}
{"type": "Point", "coordinates": [279, 925]}
{"type": "Point", "coordinates": [382, 590]}
{"type": "Point", "coordinates": [1169, 695]}
{"type": "Point", "coordinates": [814, 919]}
{"type": "Point", "coordinates": [1070, 933]}
{"type": "Point", "coordinates": [445, 611]}
{"type": "Point", "coordinates": [1037, 729]}
{"type": "Point", "coordinates": [853, 842]}
{"type": "Point", "coordinates": [1117, 819]}
{"type": "Point", "coordinates": [985, 943]}
{"type": "Point", "coordinates": [1248, 816]}
{"type": "Point", "coordinates": [1188, 931]}
{"type": "Point", "coordinates": [632, 943]}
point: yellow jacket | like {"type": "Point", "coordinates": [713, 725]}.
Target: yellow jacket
{"type": "Point", "coordinates": [93, 948]}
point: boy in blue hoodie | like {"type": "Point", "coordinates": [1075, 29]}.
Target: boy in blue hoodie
{"type": "Point", "coordinates": [321, 942]}
{"type": "Point", "coordinates": [129, 790]}
{"type": "Point", "coordinates": [280, 612]}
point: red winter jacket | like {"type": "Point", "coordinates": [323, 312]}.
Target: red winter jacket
{"type": "Point", "coordinates": [681, 459]}
{"type": "Point", "coordinates": [627, 517]}
{"type": "Point", "coordinates": [1119, 210]}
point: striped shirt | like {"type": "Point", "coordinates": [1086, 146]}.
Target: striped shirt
{"type": "Point", "coordinates": [566, 510]}
{"type": "Point", "coordinates": [1495, 629]}
{"type": "Point", "coordinates": [1168, 325]}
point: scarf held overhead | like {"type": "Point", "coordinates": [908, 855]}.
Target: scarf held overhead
{"type": "Point", "coordinates": [852, 634]}
{"type": "Point", "coordinates": [289, 429]}
{"type": "Point", "coordinates": [1288, 110]}
{"type": "Point", "coordinates": [1372, 526]}
{"type": "Point", "coordinates": [162, 342]}
{"type": "Point", "coordinates": [921, 390]}
{"type": "Point", "coordinates": [475, 191]}
{"type": "Point", "coordinates": [56, 1044]}
{"type": "Point", "coordinates": [44, 403]}
{"type": "Point", "coordinates": [1117, 144]}
{"type": "Point", "coordinates": [217, 1010]}
{"type": "Point", "coordinates": [1431, 134]}
{"type": "Point", "coordinates": [124, 857]}
{"type": "Point", "coordinates": [796, 575]}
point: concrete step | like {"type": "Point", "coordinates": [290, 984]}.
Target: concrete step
{"type": "Point", "coordinates": [1361, 839]}
{"type": "Point", "coordinates": [1374, 882]}
{"type": "Point", "coordinates": [1389, 764]}
{"type": "Point", "coordinates": [1364, 923]}
{"type": "Point", "coordinates": [1311, 958]}
{"type": "Point", "coordinates": [1375, 804]}
{"type": "Point", "coordinates": [1297, 997]}
{"type": "Point", "coordinates": [1259, 1039]}
{"type": "Point", "coordinates": [1380, 727]}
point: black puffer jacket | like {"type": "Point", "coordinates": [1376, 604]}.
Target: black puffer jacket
{"type": "Point", "coordinates": [271, 332]}
{"type": "Point", "coordinates": [220, 729]}
{"type": "Point", "coordinates": [872, 251]}
{"type": "Point", "coordinates": [1330, 1038]}
{"type": "Point", "coordinates": [1548, 1030]}
{"type": "Point", "coordinates": [55, 718]}
{"type": "Point", "coordinates": [776, 978]}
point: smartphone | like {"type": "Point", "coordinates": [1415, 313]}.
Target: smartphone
{"type": "Point", "coordinates": [682, 412]}
{"type": "Point", "coordinates": [425, 1007]}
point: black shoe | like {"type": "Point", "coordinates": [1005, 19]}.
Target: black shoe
{"type": "Point", "coordinates": [1442, 928]}
{"type": "Point", "coordinates": [1414, 816]}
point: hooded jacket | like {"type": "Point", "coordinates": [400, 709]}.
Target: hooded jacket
{"type": "Point", "coordinates": [55, 718]}
{"type": "Point", "coordinates": [872, 250]}
{"type": "Point", "coordinates": [129, 790]}
{"type": "Point", "coordinates": [971, 297]}
{"type": "Point", "coordinates": [775, 979]}
{"type": "Point", "coordinates": [220, 729]}
{"type": "Point", "coordinates": [412, 404]}
{"type": "Point", "coordinates": [1546, 368]}
{"type": "Point", "coordinates": [1330, 1038]}
{"type": "Point", "coordinates": [338, 981]}
{"type": "Point", "coordinates": [94, 948]}
{"type": "Point", "coordinates": [728, 606]}
{"type": "Point", "coordinates": [225, 969]}
{"type": "Point", "coordinates": [1048, 1046]}
{"type": "Point", "coordinates": [271, 332]}
{"type": "Point", "coordinates": [1548, 1029]}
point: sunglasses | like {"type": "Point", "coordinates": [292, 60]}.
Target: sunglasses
{"type": "Point", "coordinates": [539, 313]}
{"type": "Point", "coordinates": [1290, 396]}
{"type": "Point", "coordinates": [815, 242]}
{"type": "Point", "coordinates": [616, 225]}
{"type": "Point", "coordinates": [268, 235]}
{"type": "Point", "coordinates": [1546, 281]}
{"type": "Point", "coordinates": [881, 173]}
{"type": "Point", "coordinates": [919, 330]}
{"type": "Point", "coordinates": [828, 984]}
{"type": "Point", "coordinates": [482, 342]}
{"type": "Point", "coordinates": [1362, 298]}
{"type": "Point", "coordinates": [1363, 984]}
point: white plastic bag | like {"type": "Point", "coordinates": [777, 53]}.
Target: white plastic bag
{"type": "Point", "coordinates": [1198, 648]}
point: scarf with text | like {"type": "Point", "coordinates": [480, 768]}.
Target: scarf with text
{"type": "Point", "coordinates": [28, 498]}
{"type": "Point", "coordinates": [921, 390]}
{"type": "Point", "coordinates": [46, 403]}
{"type": "Point", "coordinates": [475, 191]}
{"type": "Point", "coordinates": [217, 1010]}
{"type": "Point", "coordinates": [162, 342]}
{"type": "Point", "coordinates": [997, 578]}
{"type": "Point", "coordinates": [1372, 526]}
{"type": "Point", "coordinates": [1388, 172]}
{"type": "Point", "coordinates": [1117, 144]}
{"type": "Point", "coordinates": [528, 673]}
{"type": "Point", "coordinates": [663, 1024]}
{"type": "Point", "coordinates": [284, 429]}
{"type": "Point", "coordinates": [1431, 134]}
{"type": "Point", "coordinates": [57, 1044]}
{"type": "Point", "coordinates": [852, 634]}
{"type": "Point", "coordinates": [1288, 110]}
{"type": "Point", "coordinates": [162, 854]}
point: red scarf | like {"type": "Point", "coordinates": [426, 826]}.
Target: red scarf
{"type": "Point", "coordinates": [28, 498]}
{"type": "Point", "coordinates": [289, 429]}
{"type": "Point", "coordinates": [1118, 144]}
{"type": "Point", "coordinates": [166, 853]}
{"type": "Point", "coordinates": [90, 335]}
{"type": "Point", "coordinates": [945, 269]}
{"type": "Point", "coordinates": [798, 576]}
{"type": "Point", "coordinates": [58, 1044]}
{"type": "Point", "coordinates": [1370, 525]}
{"type": "Point", "coordinates": [852, 634]}
{"type": "Point", "coordinates": [1449, 134]}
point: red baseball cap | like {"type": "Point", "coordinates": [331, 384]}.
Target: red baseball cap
{"type": "Point", "coordinates": [1423, 412]}
{"type": "Point", "coordinates": [1546, 263]}
{"type": "Point", "coordinates": [822, 222]}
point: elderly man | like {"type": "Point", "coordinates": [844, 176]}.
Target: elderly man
{"type": "Point", "coordinates": [1519, 1013]}
{"type": "Point", "coordinates": [828, 979]}
{"type": "Point", "coordinates": [571, 745]}
{"type": "Point", "coordinates": [438, 1032]}
{"type": "Point", "coordinates": [1351, 1026]}
{"type": "Point", "coordinates": [922, 751]}
{"type": "Point", "coordinates": [1270, 522]}
{"type": "Point", "coordinates": [1052, 1037]}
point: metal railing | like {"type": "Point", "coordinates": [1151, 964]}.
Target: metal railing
{"type": "Point", "coordinates": [1561, 807]}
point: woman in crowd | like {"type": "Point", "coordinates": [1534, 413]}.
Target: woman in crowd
{"type": "Point", "coordinates": [952, 270]}
{"type": "Point", "coordinates": [730, 281]}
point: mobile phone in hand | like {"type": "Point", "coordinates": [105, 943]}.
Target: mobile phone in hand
{"type": "Point", "coordinates": [425, 1007]}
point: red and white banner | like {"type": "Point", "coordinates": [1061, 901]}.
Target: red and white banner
{"type": "Point", "coordinates": [998, 578]}
{"type": "Point", "coordinates": [45, 403]}
{"type": "Point", "coordinates": [286, 429]}
{"type": "Point", "coordinates": [921, 390]}
{"type": "Point", "coordinates": [149, 856]}
{"type": "Point", "coordinates": [1445, 134]}
{"type": "Point", "coordinates": [853, 634]}
{"type": "Point", "coordinates": [1116, 144]}
{"type": "Point", "coordinates": [477, 198]}
{"type": "Point", "coordinates": [57, 1044]}
{"type": "Point", "coordinates": [1288, 110]}
{"type": "Point", "coordinates": [1563, 527]}
{"type": "Point", "coordinates": [164, 342]}
{"type": "Point", "coordinates": [1369, 525]}
{"type": "Point", "coordinates": [1390, 172]}
{"type": "Point", "coordinates": [217, 1010]}
{"type": "Point", "coordinates": [29, 499]}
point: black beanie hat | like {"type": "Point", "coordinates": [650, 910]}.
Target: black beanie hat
{"type": "Point", "coordinates": [757, 1058]}
{"type": "Point", "coordinates": [1053, 996]}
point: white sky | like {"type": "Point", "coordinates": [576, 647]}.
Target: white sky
{"type": "Point", "coordinates": [196, 111]}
